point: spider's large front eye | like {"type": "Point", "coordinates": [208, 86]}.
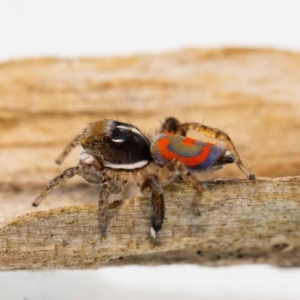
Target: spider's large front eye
{"type": "Point", "coordinates": [106, 139]}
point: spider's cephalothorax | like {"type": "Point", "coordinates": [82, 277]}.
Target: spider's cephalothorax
{"type": "Point", "coordinates": [113, 152]}
{"type": "Point", "coordinates": [116, 145]}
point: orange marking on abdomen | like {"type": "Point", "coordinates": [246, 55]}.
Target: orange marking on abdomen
{"type": "Point", "coordinates": [188, 141]}
{"type": "Point", "coordinates": [164, 142]}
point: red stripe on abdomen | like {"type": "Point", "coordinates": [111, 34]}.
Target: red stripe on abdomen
{"type": "Point", "coordinates": [164, 143]}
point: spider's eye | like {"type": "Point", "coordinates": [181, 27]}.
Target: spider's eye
{"type": "Point", "coordinates": [106, 139]}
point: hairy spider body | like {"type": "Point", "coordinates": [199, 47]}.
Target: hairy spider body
{"type": "Point", "coordinates": [113, 152]}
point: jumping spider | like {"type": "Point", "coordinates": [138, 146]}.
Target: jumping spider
{"type": "Point", "coordinates": [114, 151]}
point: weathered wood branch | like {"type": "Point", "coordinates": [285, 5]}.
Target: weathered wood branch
{"type": "Point", "coordinates": [241, 222]}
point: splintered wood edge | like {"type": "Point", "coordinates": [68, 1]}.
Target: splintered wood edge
{"type": "Point", "coordinates": [242, 221]}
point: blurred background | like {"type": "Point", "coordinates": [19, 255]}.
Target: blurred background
{"type": "Point", "coordinates": [71, 29]}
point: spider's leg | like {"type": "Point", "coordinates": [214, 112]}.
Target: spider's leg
{"type": "Point", "coordinates": [119, 182]}
{"type": "Point", "coordinates": [220, 135]}
{"type": "Point", "coordinates": [87, 173]}
{"type": "Point", "coordinates": [91, 175]}
{"type": "Point", "coordinates": [170, 124]}
{"type": "Point", "coordinates": [193, 182]}
{"type": "Point", "coordinates": [68, 149]}
{"type": "Point", "coordinates": [168, 173]}
{"type": "Point", "coordinates": [112, 183]}
{"type": "Point", "coordinates": [103, 206]}
{"type": "Point", "coordinates": [158, 204]}
{"type": "Point", "coordinates": [107, 185]}
{"type": "Point", "coordinates": [56, 183]}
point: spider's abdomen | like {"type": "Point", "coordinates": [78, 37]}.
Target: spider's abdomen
{"type": "Point", "coordinates": [195, 155]}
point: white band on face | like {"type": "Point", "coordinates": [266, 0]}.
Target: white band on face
{"type": "Point", "coordinates": [136, 165]}
{"type": "Point", "coordinates": [117, 140]}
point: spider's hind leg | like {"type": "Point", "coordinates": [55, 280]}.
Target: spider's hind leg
{"type": "Point", "coordinates": [172, 125]}
{"type": "Point", "coordinates": [194, 183]}
{"type": "Point", "coordinates": [175, 168]}
{"type": "Point", "coordinates": [219, 135]}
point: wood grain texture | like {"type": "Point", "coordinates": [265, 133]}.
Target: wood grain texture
{"type": "Point", "coordinates": [251, 93]}
{"type": "Point", "coordinates": [241, 222]}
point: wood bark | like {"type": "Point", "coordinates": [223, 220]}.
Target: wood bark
{"type": "Point", "coordinates": [241, 222]}
{"type": "Point", "coordinates": [252, 93]}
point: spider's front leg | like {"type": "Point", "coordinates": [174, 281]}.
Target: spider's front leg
{"type": "Point", "coordinates": [112, 184]}
{"type": "Point", "coordinates": [103, 206]}
{"type": "Point", "coordinates": [56, 183]}
{"type": "Point", "coordinates": [158, 204]}
{"type": "Point", "coordinates": [68, 149]}
{"type": "Point", "coordinates": [86, 172]}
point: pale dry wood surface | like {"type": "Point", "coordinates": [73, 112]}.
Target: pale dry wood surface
{"type": "Point", "coordinates": [251, 93]}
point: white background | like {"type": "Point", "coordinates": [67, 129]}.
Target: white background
{"type": "Point", "coordinates": [85, 28]}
